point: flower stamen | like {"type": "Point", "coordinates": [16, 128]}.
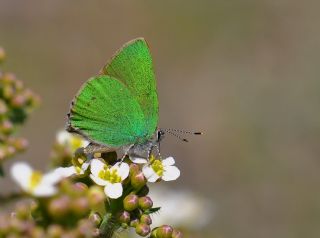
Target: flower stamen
{"type": "Point", "coordinates": [157, 166]}
{"type": "Point", "coordinates": [35, 179]}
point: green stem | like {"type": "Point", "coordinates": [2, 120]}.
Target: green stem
{"type": "Point", "coordinates": [107, 227]}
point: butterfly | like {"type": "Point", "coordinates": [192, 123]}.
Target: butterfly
{"type": "Point", "coordinates": [119, 109]}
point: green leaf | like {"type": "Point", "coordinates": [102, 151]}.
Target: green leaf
{"type": "Point", "coordinates": [152, 210]}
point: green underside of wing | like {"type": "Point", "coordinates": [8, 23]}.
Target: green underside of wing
{"type": "Point", "coordinates": [106, 112]}
{"type": "Point", "coordinates": [132, 65]}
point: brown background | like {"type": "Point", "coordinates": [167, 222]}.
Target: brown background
{"type": "Point", "coordinates": [245, 72]}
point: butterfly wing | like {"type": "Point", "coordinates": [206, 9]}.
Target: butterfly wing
{"type": "Point", "coordinates": [105, 112]}
{"type": "Point", "coordinates": [132, 65]}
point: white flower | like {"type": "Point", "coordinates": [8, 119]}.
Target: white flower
{"type": "Point", "coordinates": [163, 169]}
{"type": "Point", "coordinates": [34, 182]}
{"type": "Point", "coordinates": [79, 167]}
{"type": "Point", "coordinates": [73, 142]}
{"type": "Point", "coordinates": [182, 208]}
{"type": "Point", "coordinates": [110, 178]}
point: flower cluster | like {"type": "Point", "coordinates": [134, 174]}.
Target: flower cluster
{"type": "Point", "coordinates": [120, 187]}
{"type": "Point", "coordinates": [65, 215]}
{"type": "Point", "coordinates": [16, 102]}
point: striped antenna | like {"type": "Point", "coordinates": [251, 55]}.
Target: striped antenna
{"type": "Point", "coordinates": [183, 131]}
{"type": "Point", "coordinates": [175, 131]}
{"type": "Point", "coordinates": [179, 137]}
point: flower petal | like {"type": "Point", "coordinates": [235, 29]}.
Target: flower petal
{"type": "Point", "coordinates": [138, 160]}
{"type": "Point", "coordinates": [63, 137]}
{"type": "Point", "coordinates": [85, 143]}
{"type": "Point", "coordinates": [113, 190]}
{"type": "Point", "coordinates": [170, 173]}
{"type": "Point", "coordinates": [168, 161]}
{"type": "Point", "coordinates": [123, 170]}
{"type": "Point", "coordinates": [96, 166]}
{"type": "Point", "coordinates": [150, 175]}
{"type": "Point", "coordinates": [98, 180]}
{"type": "Point", "coordinates": [21, 173]}
{"type": "Point", "coordinates": [53, 177]}
{"type": "Point", "coordinates": [65, 171]}
{"type": "Point", "coordinates": [44, 190]}
{"type": "Point", "coordinates": [85, 165]}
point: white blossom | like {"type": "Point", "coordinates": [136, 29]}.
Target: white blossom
{"type": "Point", "coordinates": [71, 141]}
{"type": "Point", "coordinates": [35, 182]}
{"type": "Point", "coordinates": [109, 177]}
{"type": "Point", "coordinates": [163, 169]}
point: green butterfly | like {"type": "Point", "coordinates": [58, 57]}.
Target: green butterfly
{"type": "Point", "coordinates": [119, 108]}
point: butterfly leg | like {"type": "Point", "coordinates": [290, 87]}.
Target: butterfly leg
{"type": "Point", "coordinates": [95, 148]}
{"type": "Point", "coordinates": [157, 147]}
{"type": "Point", "coordinates": [126, 150]}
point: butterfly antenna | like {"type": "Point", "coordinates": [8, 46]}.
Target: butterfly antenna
{"type": "Point", "coordinates": [184, 131]}
{"type": "Point", "coordinates": [179, 137]}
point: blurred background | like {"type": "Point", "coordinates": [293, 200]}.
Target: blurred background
{"type": "Point", "coordinates": [244, 72]}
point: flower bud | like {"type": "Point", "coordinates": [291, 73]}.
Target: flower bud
{"type": "Point", "coordinates": [55, 231]}
{"type": "Point", "coordinates": [145, 203]}
{"type": "Point", "coordinates": [18, 84]}
{"type": "Point", "coordinates": [2, 55]}
{"type": "Point", "coordinates": [20, 144]}
{"type": "Point", "coordinates": [6, 127]}
{"type": "Point", "coordinates": [8, 78]}
{"type": "Point", "coordinates": [146, 219]}
{"type": "Point", "coordinates": [134, 222]}
{"type": "Point", "coordinates": [65, 186]}
{"type": "Point", "coordinates": [37, 232]}
{"type": "Point", "coordinates": [177, 234]}
{"type": "Point", "coordinates": [8, 91]}
{"type": "Point", "coordinates": [130, 202]}
{"type": "Point", "coordinates": [164, 231]}
{"type": "Point", "coordinates": [79, 188]}
{"type": "Point", "coordinates": [10, 151]}
{"type": "Point", "coordinates": [95, 218]}
{"type": "Point", "coordinates": [22, 211]}
{"type": "Point", "coordinates": [80, 206]}
{"type": "Point", "coordinates": [59, 207]}
{"type": "Point", "coordinates": [154, 233]}
{"type": "Point", "coordinates": [96, 195]}
{"type": "Point", "coordinates": [96, 232]}
{"type": "Point", "coordinates": [143, 229]}
{"type": "Point", "coordinates": [138, 180]}
{"type": "Point", "coordinates": [124, 217]}
{"type": "Point", "coordinates": [134, 168]}
{"type": "Point", "coordinates": [18, 101]}
{"type": "Point", "coordinates": [84, 228]}
{"type": "Point", "coordinates": [124, 225]}
{"type": "Point", "coordinates": [3, 107]}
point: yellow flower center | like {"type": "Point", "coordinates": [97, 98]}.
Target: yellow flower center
{"type": "Point", "coordinates": [35, 179]}
{"type": "Point", "coordinates": [157, 166]}
{"type": "Point", "coordinates": [110, 175]}
{"type": "Point", "coordinates": [77, 163]}
{"type": "Point", "coordinates": [75, 142]}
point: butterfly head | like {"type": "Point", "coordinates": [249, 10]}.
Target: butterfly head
{"type": "Point", "coordinates": [160, 134]}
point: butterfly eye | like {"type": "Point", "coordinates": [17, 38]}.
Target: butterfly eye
{"type": "Point", "coordinates": [160, 135]}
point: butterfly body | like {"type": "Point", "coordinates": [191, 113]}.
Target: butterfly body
{"type": "Point", "coordinates": [118, 109]}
